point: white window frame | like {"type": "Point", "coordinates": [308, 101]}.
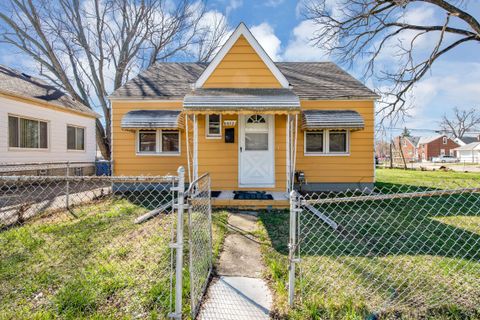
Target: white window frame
{"type": "Point", "coordinates": [443, 152]}
{"type": "Point", "coordinates": [158, 146]}
{"type": "Point", "coordinates": [27, 118]}
{"type": "Point", "coordinates": [445, 140]}
{"type": "Point", "coordinates": [84, 138]}
{"type": "Point", "coordinates": [326, 144]}
{"type": "Point", "coordinates": [209, 135]}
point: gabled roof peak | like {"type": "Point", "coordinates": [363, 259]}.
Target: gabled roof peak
{"type": "Point", "coordinates": [242, 30]}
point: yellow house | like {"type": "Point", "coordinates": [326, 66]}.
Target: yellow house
{"type": "Point", "coordinates": [252, 123]}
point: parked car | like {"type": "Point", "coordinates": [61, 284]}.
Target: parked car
{"type": "Point", "coordinates": [444, 159]}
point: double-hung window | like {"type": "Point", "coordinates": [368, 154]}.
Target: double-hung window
{"type": "Point", "coordinates": [214, 126]}
{"type": "Point", "coordinates": [161, 142]}
{"type": "Point", "coordinates": [75, 138]}
{"type": "Point", "coordinates": [27, 133]}
{"type": "Point", "coordinates": [327, 142]}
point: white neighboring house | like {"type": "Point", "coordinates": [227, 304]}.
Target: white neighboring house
{"type": "Point", "coordinates": [39, 123]}
{"type": "Point", "coordinates": [469, 153]}
{"type": "Point", "coordinates": [466, 140]}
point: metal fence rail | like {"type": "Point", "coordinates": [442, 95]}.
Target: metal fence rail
{"type": "Point", "coordinates": [396, 250]}
{"type": "Point", "coordinates": [199, 239]}
{"type": "Point", "coordinates": [70, 247]}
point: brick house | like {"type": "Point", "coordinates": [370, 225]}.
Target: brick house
{"type": "Point", "coordinates": [426, 148]}
{"type": "Point", "coordinates": [408, 144]}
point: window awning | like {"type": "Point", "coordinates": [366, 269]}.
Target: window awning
{"type": "Point", "coordinates": [332, 119]}
{"type": "Point", "coordinates": [225, 100]}
{"type": "Point", "coordinates": [152, 119]}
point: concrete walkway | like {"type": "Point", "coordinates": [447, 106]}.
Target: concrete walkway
{"type": "Point", "coordinates": [238, 292]}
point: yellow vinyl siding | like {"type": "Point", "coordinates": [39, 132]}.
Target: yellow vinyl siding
{"type": "Point", "coordinates": [220, 159]}
{"type": "Point", "coordinates": [242, 67]}
{"type": "Point", "coordinates": [359, 165]}
{"type": "Point", "coordinates": [125, 160]}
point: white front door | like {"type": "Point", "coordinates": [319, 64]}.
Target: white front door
{"type": "Point", "coordinates": [256, 154]}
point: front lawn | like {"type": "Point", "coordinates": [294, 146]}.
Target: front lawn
{"type": "Point", "coordinates": [93, 262]}
{"type": "Point", "coordinates": [398, 258]}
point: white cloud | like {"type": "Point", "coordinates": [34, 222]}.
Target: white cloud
{"type": "Point", "coordinates": [452, 84]}
{"type": "Point", "coordinates": [265, 35]}
{"type": "Point", "coordinates": [273, 3]}
{"type": "Point", "coordinates": [232, 5]}
{"type": "Point", "coordinates": [301, 48]}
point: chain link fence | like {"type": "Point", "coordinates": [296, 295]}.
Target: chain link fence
{"type": "Point", "coordinates": [83, 246]}
{"type": "Point", "coordinates": [55, 168]}
{"type": "Point", "coordinates": [394, 251]}
{"type": "Point", "coordinates": [199, 239]}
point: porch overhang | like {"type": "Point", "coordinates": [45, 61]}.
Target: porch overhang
{"type": "Point", "coordinates": [152, 119]}
{"type": "Point", "coordinates": [332, 119]}
{"type": "Point", "coordinates": [237, 101]}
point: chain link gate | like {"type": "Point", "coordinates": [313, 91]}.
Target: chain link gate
{"type": "Point", "coordinates": [199, 239]}
{"type": "Point", "coordinates": [398, 250]}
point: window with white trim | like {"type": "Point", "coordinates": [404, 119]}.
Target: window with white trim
{"type": "Point", "coordinates": [75, 138]}
{"type": "Point", "coordinates": [24, 133]}
{"type": "Point", "coordinates": [162, 142]}
{"type": "Point", "coordinates": [327, 142]}
{"type": "Point", "coordinates": [445, 140]}
{"type": "Point", "coordinates": [214, 125]}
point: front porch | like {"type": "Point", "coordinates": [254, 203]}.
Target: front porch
{"type": "Point", "coordinates": [226, 199]}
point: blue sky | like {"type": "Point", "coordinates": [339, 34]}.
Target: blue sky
{"type": "Point", "coordinates": [281, 30]}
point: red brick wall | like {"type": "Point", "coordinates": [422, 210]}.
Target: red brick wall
{"type": "Point", "coordinates": [407, 147]}
{"type": "Point", "coordinates": [433, 148]}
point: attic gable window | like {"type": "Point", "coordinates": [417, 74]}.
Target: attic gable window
{"type": "Point", "coordinates": [214, 126]}
{"type": "Point", "coordinates": [445, 140]}
{"type": "Point", "coordinates": [24, 133]}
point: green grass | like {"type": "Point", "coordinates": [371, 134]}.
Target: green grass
{"type": "Point", "coordinates": [395, 259]}
{"type": "Point", "coordinates": [436, 179]}
{"type": "Point", "coordinates": [99, 265]}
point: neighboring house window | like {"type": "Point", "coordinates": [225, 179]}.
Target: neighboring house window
{"type": "Point", "coordinates": [214, 125]}
{"type": "Point", "coordinates": [27, 133]}
{"type": "Point", "coordinates": [326, 142]}
{"type": "Point", "coordinates": [445, 140]}
{"type": "Point", "coordinates": [452, 152]}
{"type": "Point", "coordinates": [75, 138]}
{"type": "Point", "coordinates": [159, 142]}
{"type": "Point", "coordinates": [442, 152]}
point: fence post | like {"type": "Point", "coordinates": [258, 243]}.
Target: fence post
{"type": "Point", "coordinates": [179, 244]}
{"type": "Point", "coordinates": [67, 195]}
{"type": "Point", "coordinates": [292, 247]}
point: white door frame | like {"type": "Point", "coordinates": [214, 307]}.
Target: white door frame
{"type": "Point", "coordinates": [271, 148]}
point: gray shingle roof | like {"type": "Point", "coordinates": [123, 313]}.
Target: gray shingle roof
{"type": "Point", "coordinates": [332, 119]}
{"type": "Point", "coordinates": [468, 140]}
{"type": "Point", "coordinates": [22, 85]}
{"type": "Point", "coordinates": [244, 98]}
{"type": "Point", "coordinates": [141, 119]}
{"type": "Point", "coordinates": [310, 80]}
{"type": "Point", "coordinates": [414, 140]}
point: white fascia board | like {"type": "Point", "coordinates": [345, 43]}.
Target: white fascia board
{"type": "Point", "coordinates": [239, 31]}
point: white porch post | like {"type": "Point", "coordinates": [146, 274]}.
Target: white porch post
{"type": "Point", "coordinates": [289, 155]}
{"type": "Point", "coordinates": [195, 147]}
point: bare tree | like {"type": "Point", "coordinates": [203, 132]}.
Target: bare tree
{"type": "Point", "coordinates": [363, 30]}
{"type": "Point", "coordinates": [462, 122]}
{"type": "Point", "coordinates": [89, 48]}
{"type": "Point", "coordinates": [213, 34]}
